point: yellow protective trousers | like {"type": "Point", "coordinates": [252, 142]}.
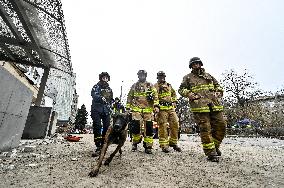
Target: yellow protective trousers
{"type": "Point", "coordinates": [168, 121]}
{"type": "Point", "coordinates": [144, 119]}
{"type": "Point", "coordinates": [212, 129]}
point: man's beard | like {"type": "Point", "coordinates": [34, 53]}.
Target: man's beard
{"type": "Point", "coordinates": [142, 79]}
{"type": "Point", "coordinates": [161, 81]}
{"type": "Point", "coordinates": [198, 71]}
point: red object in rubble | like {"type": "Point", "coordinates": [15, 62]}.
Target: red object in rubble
{"type": "Point", "coordinates": [72, 138]}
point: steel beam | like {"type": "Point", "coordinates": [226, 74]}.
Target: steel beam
{"type": "Point", "coordinates": [15, 32]}
{"type": "Point", "coordinates": [20, 61]}
{"type": "Point", "coordinates": [8, 20]}
{"type": "Point", "coordinates": [58, 20]}
{"type": "Point", "coordinates": [8, 51]}
{"type": "Point", "coordinates": [42, 86]}
{"type": "Point", "coordinates": [19, 8]}
{"type": "Point", "coordinates": [64, 34]}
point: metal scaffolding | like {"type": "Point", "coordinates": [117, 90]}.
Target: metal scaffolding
{"type": "Point", "coordinates": [32, 32]}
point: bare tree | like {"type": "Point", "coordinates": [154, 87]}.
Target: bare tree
{"type": "Point", "coordinates": [277, 113]}
{"type": "Point", "coordinates": [244, 100]}
{"type": "Point", "coordinates": [239, 88]}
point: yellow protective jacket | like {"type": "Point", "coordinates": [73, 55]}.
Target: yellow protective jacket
{"type": "Point", "coordinates": [142, 97]}
{"type": "Point", "coordinates": [166, 94]}
{"type": "Point", "coordinates": [204, 86]}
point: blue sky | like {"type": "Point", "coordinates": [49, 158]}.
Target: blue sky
{"type": "Point", "coordinates": [123, 36]}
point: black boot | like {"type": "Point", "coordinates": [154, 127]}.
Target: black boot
{"type": "Point", "coordinates": [219, 153]}
{"type": "Point", "coordinates": [165, 150]}
{"type": "Point", "coordinates": [213, 157]}
{"type": "Point", "coordinates": [97, 152]}
{"type": "Point", "coordinates": [176, 148]}
{"type": "Point", "coordinates": [148, 150]}
{"type": "Point", "coordinates": [134, 147]}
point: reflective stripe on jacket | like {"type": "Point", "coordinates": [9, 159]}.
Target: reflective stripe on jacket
{"type": "Point", "coordinates": [204, 86]}
{"type": "Point", "coordinates": [142, 97]}
{"type": "Point", "coordinates": [166, 94]}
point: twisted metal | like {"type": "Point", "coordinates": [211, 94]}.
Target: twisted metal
{"type": "Point", "coordinates": [47, 21]}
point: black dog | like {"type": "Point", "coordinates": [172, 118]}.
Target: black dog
{"type": "Point", "coordinates": [116, 134]}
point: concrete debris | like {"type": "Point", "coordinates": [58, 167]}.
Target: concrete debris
{"type": "Point", "coordinates": [29, 148]}
{"type": "Point", "coordinates": [32, 165]}
{"type": "Point", "coordinates": [4, 154]}
{"type": "Point", "coordinates": [11, 167]}
{"type": "Point", "coordinates": [245, 162]}
{"type": "Point", "coordinates": [13, 155]}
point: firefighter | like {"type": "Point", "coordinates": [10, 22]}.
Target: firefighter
{"type": "Point", "coordinates": [167, 115]}
{"type": "Point", "coordinates": [204, 94]}
{"type": "Point", "coordinates": [101, 109]}
{"type": "Point", "coordinates": [142, 101]}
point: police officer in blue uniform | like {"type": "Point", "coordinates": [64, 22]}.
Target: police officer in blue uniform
{"type": "Point", "coordinates": [101, 110]}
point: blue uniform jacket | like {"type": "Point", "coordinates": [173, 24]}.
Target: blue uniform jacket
{"type": "Point", "coordinates": [99, 91]}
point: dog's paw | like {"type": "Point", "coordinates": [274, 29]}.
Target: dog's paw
{"type": "Point", "coordinates": [106, 163]}
{"type": "Point", "coordinates": [93, 173]}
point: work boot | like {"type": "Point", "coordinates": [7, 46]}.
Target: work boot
{"type": "Point", "coordinates": [97, 152]}
{"type": "Point", "coordinates": [134, 147]}
{"type": "Point", "coordinates": [165, 150]}
{"type": "Point", "coordinates": [144, 145]}
{"type": "Point", "coordinates": [213, 156]}
{"type": "Point", "coordinates": [219, 153]}
{"type": "Point", "coordinates": [148, 150]}
{"type": "Point", "coordinates": [176, 148]}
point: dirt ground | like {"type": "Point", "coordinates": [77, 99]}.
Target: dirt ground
{"type": "Point", "coordinates": [55, 162]}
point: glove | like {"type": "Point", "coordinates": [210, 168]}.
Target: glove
{"type": "Point", "coordinates": [218, 94]}
{"type": "Point", "coordinates": [193, 96]}
{"type": "Point", "coordinates": [156, 109]}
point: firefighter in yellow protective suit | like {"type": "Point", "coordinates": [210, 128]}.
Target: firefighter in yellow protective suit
{"type": "Point", "coordinates": [204, 94]}
{"type": "Point", "coordinates": [142, 100]}
{"type": "Point", "coordinates": [167, 114]}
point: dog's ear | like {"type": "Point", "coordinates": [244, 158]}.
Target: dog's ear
{"type": "Point", "coordinates": [128, 117]}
